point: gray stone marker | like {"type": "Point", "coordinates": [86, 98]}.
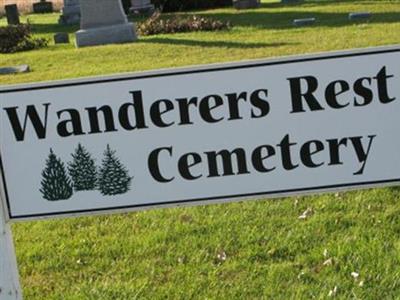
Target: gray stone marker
{"type": "Point", "coordinates": [143, 7]}
{"type": "Point", "coordinates": [304, 22]}
{"type": "Point", "coordinates": [42, 7]}
{"type": "Point", "coordinates": [246, 4]}
{"type": "Point", "coordinates": [291, 1]}
{"type": "Point", "coordinates": [14, 70]}
{"type": "Point", "coordinates": [61, 38]}
{"type": "Point", "coordinates": [12, 14]}
{"type": "Point", "coordinates": [359, 15]}
{"type": "Point", "coordinates": [103, 22]}
{"type": "Point", "coordinates": [71, 13]}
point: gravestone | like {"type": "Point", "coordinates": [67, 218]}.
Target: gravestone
{"type": "Point", "coordinates": [61, 38]}
{"type": "Point", "coordinates": [103, 22]}
{"type": "Point", "coordinates": [304, 22]}
{"type": "Point", "coordinates": [14, 69]}
{"type": "Point", "coordinates": [12, 14]}
{"type": "Point", "coordinates": [359, 15]}
{"type": "Point", "coordinates": [246, 4]}
{"type": "Point", "coordinates": [71, 13]}
{"type": "Point", "coordinates": [142, 7]}
{"type": "Point", "coordinates": [42, 7]}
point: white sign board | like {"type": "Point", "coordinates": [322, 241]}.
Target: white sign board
{"type": "Point", "coordinates": [203, 134]}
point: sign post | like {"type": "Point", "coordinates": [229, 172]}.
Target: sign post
{"type": "Point", "coordinates": [9, 280]}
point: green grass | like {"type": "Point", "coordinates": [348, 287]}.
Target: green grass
{"type": "Point", "coordinates": [258, 33]}
{"type": "Point", "coordinates": [179, 253]}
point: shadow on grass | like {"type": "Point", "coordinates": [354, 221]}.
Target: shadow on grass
{"type": "Point", "coordinates": [48, 28]}
{"type": "Point", "coordinates": [322, 3]}
{"type": "Point", "coordinates": [262, 18]}
{"type": "Point", "coordinates": [283, 20]}
{"type": "Point", "coordinates": [53, 28]}
{"type": "Point", "coordinates": [199, 43]}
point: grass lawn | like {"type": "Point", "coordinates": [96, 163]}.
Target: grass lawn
{"type": "Point", "coordinates": [247, 250]}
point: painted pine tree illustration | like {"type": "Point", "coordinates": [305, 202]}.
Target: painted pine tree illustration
{"type": "Point", "coordinates": [82, 170]}
{"type": "Point", "coordinates": [55, 184]}
{"type": "Point", "coordinates": [113, 177]}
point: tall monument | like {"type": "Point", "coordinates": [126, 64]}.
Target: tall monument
{"type": "Point", "coordinates": [103, 22]}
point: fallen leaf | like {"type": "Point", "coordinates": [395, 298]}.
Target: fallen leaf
{"type": "Point", "coordinates": [325, 252]}
{"type": "Point", "coordinates": [186, 218]}
{"type": "Point", "coordinates": [308, 212]}
{"type": "Point", "coordinates": [221, 256]}
{"type": "Point", "coordinates": [333, 292]}
{"type": "Point", "coordinates": [300, 275]}
{"type": "Point", "coordinates": [181, 260]}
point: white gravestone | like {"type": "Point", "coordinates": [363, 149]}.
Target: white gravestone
{"type": "Point", "coordinates": [71, 13]}
{"type": "Point", "coordinates": [103, 22]}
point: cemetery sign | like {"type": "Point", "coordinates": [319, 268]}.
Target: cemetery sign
{"type": "Point", "coordinates": [203, 134]}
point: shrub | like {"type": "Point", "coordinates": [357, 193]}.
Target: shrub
{"type": "Point", "coordinates": [183, 5]}
{"type": "Point", "coordinates": [156, 25]}
{"type": "Point", "coordinates": [15, 38]}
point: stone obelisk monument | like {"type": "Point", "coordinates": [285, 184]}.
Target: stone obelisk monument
{"type": "Point", "coordinates": [103, 22]}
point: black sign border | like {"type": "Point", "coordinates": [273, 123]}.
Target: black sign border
{"type": "Point", "coordinates": [87, 81]}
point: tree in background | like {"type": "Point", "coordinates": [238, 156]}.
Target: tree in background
{"type": "Point", "coordinates": [82, 170]}
{"type": "Point", "coordinates": [113, 177]}
{"type": "Point", "coordinates": [55, 184]}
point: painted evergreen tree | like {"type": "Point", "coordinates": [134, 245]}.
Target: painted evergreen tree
{"type": "Point", "coordinates": [113, 177]}
{"type": "Point", "coordinates": [55, 184]}
{"type": "Point", "coordinates": [82, 170]}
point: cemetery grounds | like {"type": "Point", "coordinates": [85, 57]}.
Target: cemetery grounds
{"type": "Point", "coordinates": [342, 245]}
